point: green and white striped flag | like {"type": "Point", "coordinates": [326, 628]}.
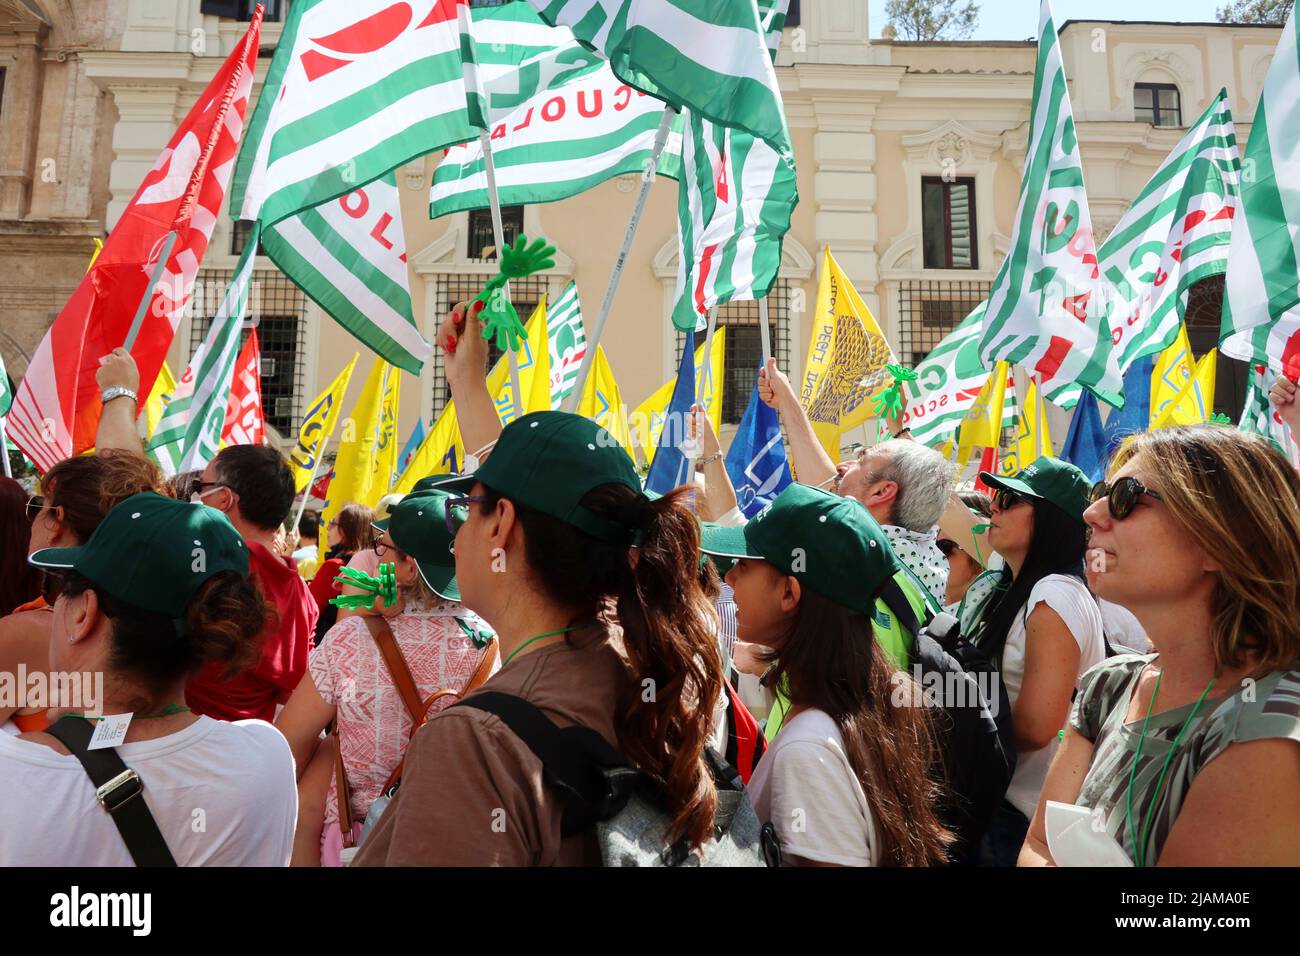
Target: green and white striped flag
{"type": "Point", "coordinates": [1045, 311]}
{"type": "Point", "coordinates": [735, 197]}
{"type": "Point", "coordinates": [1261, 305]}
{"type": "Point", "coordinates": [6, 393]}
{"type": "Point", "coordinates": [1176, 233]}
{"type": "Point", "coordinates": [948, 381]}
{"type": "Point", "coordinates": [355, 90]}
{"type": "Point", "coordinates": [561, 121]}
{"type": "Point", "coordinates": [349, 255]}
{"type": "Point", "coordinates": [1259, 417]}
{"type": "Point", "coordinates": [709, 56]}
{"type": "Point", "coordinates": [567, 340]}
{"type": "Point", "coordinates": [188, 435]}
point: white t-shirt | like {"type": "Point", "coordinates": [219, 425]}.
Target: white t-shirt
{"type": "Point", "coordinates": [1071, 599]}
{"type": "Point", "coordinates": [805, 787]}
{"type": "Point", "coordinates": [222, 794]}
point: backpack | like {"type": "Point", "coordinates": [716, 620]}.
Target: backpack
{"type": "Point", "coordinates": [599, 789]}
{"type": "Point", "coordinates": [974, 735]}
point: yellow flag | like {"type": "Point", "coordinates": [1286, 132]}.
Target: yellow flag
{"type": "Point", "coordinates": [847, 359]}
{"type": "Point", "coordinates": [1172, 372]}
{"type": "Point", "coordinates": [99, 247]}
{"type": "Point", "coordinates": [534, 372]}
{"type": "Point", "coordinates": [367, 458]}
{"type": "Point", "coordinates": [648, 419]}
{"type": "Point", "coordinates": [982, 426]}
{"type": "Point", "coordinates": [159, 396]}
{"type": "Point", "coordinates": [1033, 440]}
{"type": "Point", "coordinates": [603, 403]}
{"type": "Point", "coordinates": [441, 452]}
{"type": "Point", "coordinates": [1195, 404]}
{"type": "Point", "coordinates": [317, 425]}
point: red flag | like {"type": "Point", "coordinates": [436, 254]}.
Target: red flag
{"type": "Point", "coordinates": [56, 408]}
{"type": "Point", "coordinates": [244, 422]}
{"type": "Point", "coordinates": [988, 463]}
{"type": "Point", "coordinates": [321, 486]}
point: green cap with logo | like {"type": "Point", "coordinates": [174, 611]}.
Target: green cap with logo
{"type": "Point", "coordinates": [1048, 479]}
{"type": "Point", "coordinates": [830, 544]}
{"type": "Point", "coordinates": [549, 461]}
{"type": "Point", "coordinates": [153, 553]}
{"type": "Point", "coordinates": [418, 526]}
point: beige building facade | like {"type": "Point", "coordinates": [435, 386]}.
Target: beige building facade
{"type": "Point", "coordinates": [909, 161]}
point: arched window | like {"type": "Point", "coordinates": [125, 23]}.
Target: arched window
{"type": "Point", "coordinates": [1159, 104]}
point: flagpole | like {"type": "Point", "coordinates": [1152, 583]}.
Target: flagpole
{"type": "Point", "coordinates": [647, 180]}
{"type": "Point", "coordinates": [168, 243]}
{"type": "Point", "coordinates": [704, 377]}
{"type": "Point", "coordinates": [499, 234]}
{"type": "Point", "coordinates": [320, 456]}
{"type": "Point", "coordinates": [764, 333]}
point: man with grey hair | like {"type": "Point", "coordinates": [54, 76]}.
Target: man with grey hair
{"type": "Point", "coordinates": [904, 484]}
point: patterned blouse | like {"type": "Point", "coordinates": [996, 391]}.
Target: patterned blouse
{"type": "Point", "coordinates": [921, 554]}
{"type": "Point", "coordinates": [374, 726]}
{"type": "Point", "coordinates": [1269, 708]}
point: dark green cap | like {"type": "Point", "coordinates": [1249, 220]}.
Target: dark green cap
{"type": "Point", "coordinates": [418, 526]}
{"type": "Point", "coordinates": [830, 544]}
{"type": "Point", "coordinates": [153, 553]}
{"type": "Point", "coordinates": [548, 461]}
{"type": "Point", "coordinates": [1048, 479]}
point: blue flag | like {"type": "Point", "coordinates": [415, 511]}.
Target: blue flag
{"type": "Point", "coordinates": [669, 468]}
{"type": "Point", "coordinates": [1085, 445]}
{"type": "Point", "coordinates": [756, 461]}
{"type": "Point", "coordinates": [412, 445]}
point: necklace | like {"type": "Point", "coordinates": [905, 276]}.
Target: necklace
{"type": "Point", "coordinates": [1139, 845]}
{"type": "Point", "coordinates": [167, 711]}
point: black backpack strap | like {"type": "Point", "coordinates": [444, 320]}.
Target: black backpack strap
{"type": "Point", "coordinates": [901, 607]}
{"type": "Point", "coordinates": [119, 790]}
{"type": "Point", "coordinates": [593, 780]}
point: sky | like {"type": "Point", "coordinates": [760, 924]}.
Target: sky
{"type": "Point", "coordinates": [1018, 19]}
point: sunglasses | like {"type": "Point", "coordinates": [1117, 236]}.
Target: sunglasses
{"type": "Point", "coordinates": [35, 505]}
{"type": "Point", "coordinates": [947, 546]}
{"type": "Point", "coordinates": [1005, 500]}
{"type": "Point", "coordinates": [457, 511]}
{"type": "Point", "coordinates": [1122, 495]}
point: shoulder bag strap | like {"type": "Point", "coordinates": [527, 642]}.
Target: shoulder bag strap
{"type": "Point", "coordinates": [342, 792]}
{"type": "Point", "coordinates": [119, 791]}
{"type": "Point", "coordinates": [397, 667]}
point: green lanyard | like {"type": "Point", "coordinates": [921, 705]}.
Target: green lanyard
{"type": "Point", "coordinates": [1139, 845]}
{"type": "Point", "coordinates": [565, 630]}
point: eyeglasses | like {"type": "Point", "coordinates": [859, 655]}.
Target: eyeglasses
{"type": "Point", "coordinates": [1005, 500]}
{"type": "Point", "coordinates": [382, 549]}
{"type": "Point", "coordinates": [457, 511]}
{"type": "Point", "coordinates": [1123, 495]}
{"type": "Point", "coordinates": [35, 505]}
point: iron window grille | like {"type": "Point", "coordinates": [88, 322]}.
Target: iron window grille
{"type": "Point", "coordinates": [278, 310]}
{"type": "Point", "coordinates": [928, 310]}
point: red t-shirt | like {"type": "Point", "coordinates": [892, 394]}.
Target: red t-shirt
{"type": "Point", "coordinates": [255, 692]}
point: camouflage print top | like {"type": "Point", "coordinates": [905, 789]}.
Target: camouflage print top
{"type": "Point", "coordinates": [1268, 708]}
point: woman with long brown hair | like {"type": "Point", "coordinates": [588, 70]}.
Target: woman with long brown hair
{"type": "Point", "coordinates": [76, 495]}
{"type": "Point", "coordinates": [1188, 756]}
{"type": "Point", "coordinates": [19, 581]}
{"type": "Point", "coordinates": [593, 593]}
{"type": "Point", "coordinates": [848, 781]}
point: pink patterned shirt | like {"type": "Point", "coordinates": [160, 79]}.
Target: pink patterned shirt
{"type": "Point", "coordinates": [374, 726]}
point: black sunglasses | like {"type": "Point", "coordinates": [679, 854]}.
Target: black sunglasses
{"type": "Point", "coordinates": [1123, 495]}
{"type": "Point", "coordinates": [457, 511]}
{"type": "Point", "coordinates": [1005, 500]}
{"type": "Point", "coordinates": [947, 546]}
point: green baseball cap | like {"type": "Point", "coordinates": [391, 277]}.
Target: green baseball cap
{"type": "Point", "coordinates": [418, 526]}
{"type": "Point", "coordinates": [549, 461]}
{"type": "Point", "coordinates": [1048, 479]}
{"type": "Point", "coordinates": [153, 553]}
{"type": "Point", "coordinates": [830, 544]}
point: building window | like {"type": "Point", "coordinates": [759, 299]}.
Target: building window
{"type": "Point", "coordinates": [743, 353]}
{"type": "Point", "coordinates": [524, 295]}
{"type": "Point", "coordinates": [948, 223]}
{"type": "Point", "coordinates": [482, 240]}
{"type": "Point", "coordinates": [239, 233]}
{"type": "Point", "coordinates": [927, 311]}
{"type": "Point", "coordinates": [792, 16]}
{"type": "Point", "coordinates": [1159, 104]}
{"type": "Point", "coordinates": [243, 9]}
{"type": "Point", "coordinates": [280, 311]}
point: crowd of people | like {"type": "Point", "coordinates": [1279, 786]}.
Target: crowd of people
{"type": "Point", "coordinates": [526, 664]}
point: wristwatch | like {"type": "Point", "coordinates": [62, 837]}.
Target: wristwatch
{"type": "Point", "coordinates": [117, 391]}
